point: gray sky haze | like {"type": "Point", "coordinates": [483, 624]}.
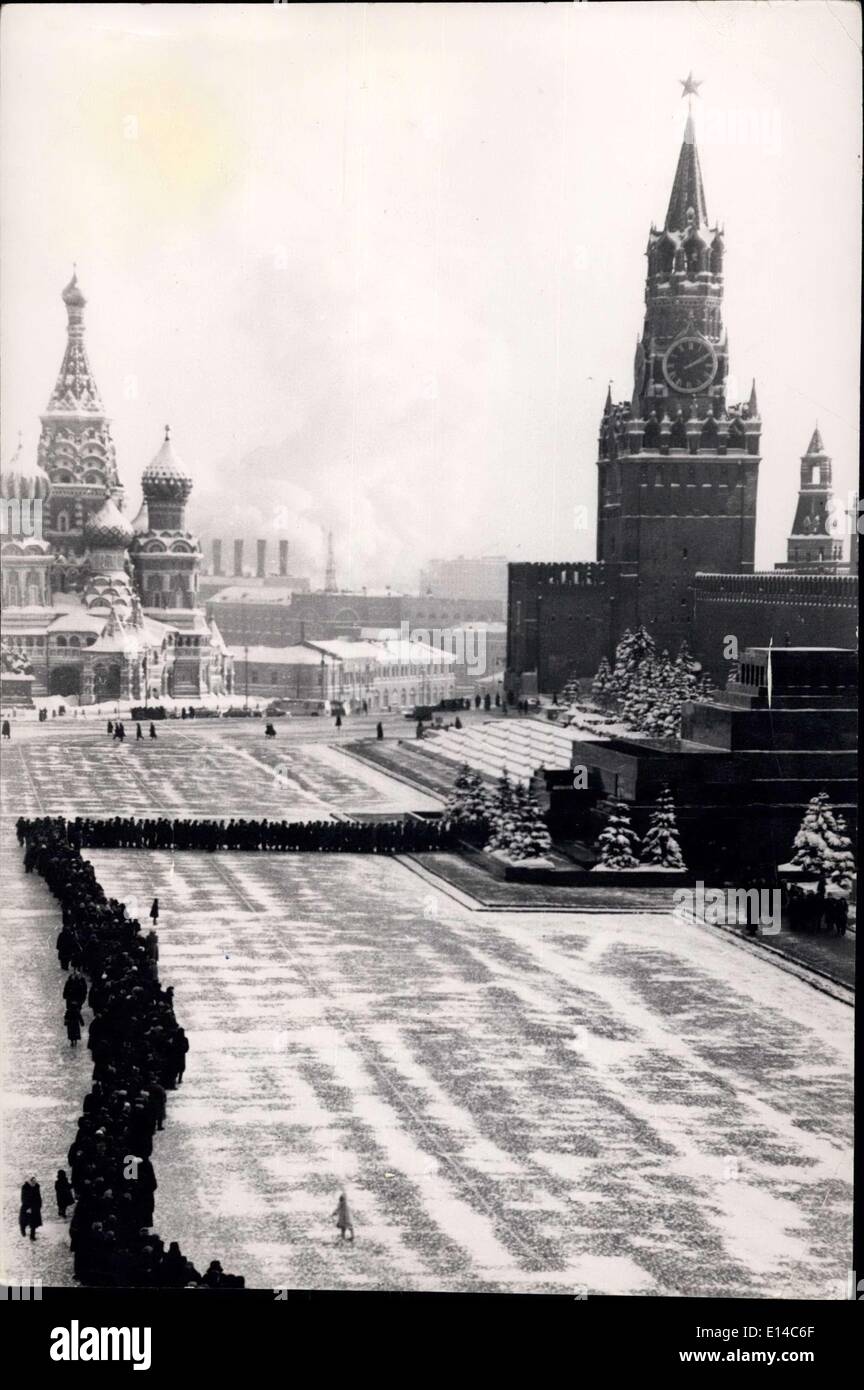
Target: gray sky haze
{"type": "Point", "coordinates": [376, 265]}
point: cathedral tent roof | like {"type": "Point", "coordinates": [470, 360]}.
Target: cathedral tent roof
{"type": "Point", "coordinates": [75, 391]}
{"type": "Point", "coordinates": [78, 620]}
{"type": "Point", "coordinates": [155, 630]}
{"type": "Point", "coordinates": [116, 638]}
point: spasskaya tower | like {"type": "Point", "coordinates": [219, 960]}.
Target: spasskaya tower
{"type": "Point", "coordinates": [678, 464]}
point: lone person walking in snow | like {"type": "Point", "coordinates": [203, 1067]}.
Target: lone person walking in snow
{"type": "Point", "coordinates": [343, 1217]}
{"type": "Point", "coordinates": [154, 911]}
{"type": "Point", "coordinates": [30, 1214]}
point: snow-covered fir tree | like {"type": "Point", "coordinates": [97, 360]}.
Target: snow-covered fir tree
{"type": "Point", "coordinates": [660, 845]}
{"type": "Point", "coordinates": [633, 649]}
{"type": "Point", "coordinates": [468, 803]}
{"type": "Point", "coordinates": [570, 695]}
{"type": "Point", "coordinates": [520, 831]}
{"type": "Point", "coordinates": [531, 839]}
{"type": "Point", "coordinates": [617, 842]}
{"type": "Point", "coordinates": [502, 820]}
{"type": "Point", "coordinates": [822, 846]}
{"type": "Point", "coordinates": [600, 686]}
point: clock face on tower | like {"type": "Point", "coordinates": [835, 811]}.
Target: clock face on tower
{"type": "Point", "coordinates": [690, 364]}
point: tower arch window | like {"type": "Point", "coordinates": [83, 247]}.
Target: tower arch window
{"type": "Point", "coordinates": [62, 521]}
{"type": "Point", "coordinates": [816, 473]}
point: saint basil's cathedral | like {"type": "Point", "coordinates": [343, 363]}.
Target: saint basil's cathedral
{"type": "Point", "coordinates": [94, 606]}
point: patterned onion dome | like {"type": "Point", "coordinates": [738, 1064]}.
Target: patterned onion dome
{"type": "Point", "coordinates": [108, 528]}
{"type": "Point", "coordinates": [22, 477]}
{"type": "Point", "coordinates": [72, 294]}
{"type": "Point", "coordinates": [165, 479]}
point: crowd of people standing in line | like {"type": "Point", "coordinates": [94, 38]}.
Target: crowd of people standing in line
{"type": "Point", "coordinates": [409, 836]}
{"type": "Point", "coordinates": [139, 1054]}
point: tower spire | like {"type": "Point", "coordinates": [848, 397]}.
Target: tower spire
{"type": "Point", "coordinates": [687, 189]}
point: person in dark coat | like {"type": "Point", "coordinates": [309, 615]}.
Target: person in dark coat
{"type": "Point", "coordinates": [63, 1192]}
{"type": "Point", "coordinates": [344, 1223]}
{"type": "Point", "coordinates": [159, 1101]}
{"type": "Point", "coordinates": [7, 729]}
{"type": "Point", "coordinates": [65, 947]}
{"type": "Point", "coordinates": [154, 911]}
{"type": "Point", "coordinates": [214, 1277]}
{"type": "Point", "coordinates": [379, 730]}
{"type": "Point", "coordinates": [175, 1271]}
{"type": "Point", "coordinates": [338, 721]}
{"type": "Point", "coordinates": [178, 1054]}
{"type": "Point", "coordinates": [152, 730]}
{"type": "Point", "coordinates": [74, 1023]}
{"type": "Point", "coordinates": [30, 1215]}
{"type": "Point", "coordinates": [110, 726]}
{"type": "Point", "coordinates": [75, 988]}
{"type": "Point", "coordinates": [138, 732]}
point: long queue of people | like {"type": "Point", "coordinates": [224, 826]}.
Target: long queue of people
{"type": "Point", "coordinates": [336, 836]}
{"type": "Point", "coordinates": [139, 1054]}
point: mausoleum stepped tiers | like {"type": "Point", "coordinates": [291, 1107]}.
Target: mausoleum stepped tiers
{"type": "Point", "coordinates": [519, 748]}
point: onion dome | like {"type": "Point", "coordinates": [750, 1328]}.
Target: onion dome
{"type": "Point", "coordinates": [165, 479]}
{"type": "Point", "coordinates": [22, 477]}
{"type": "Point", "coordinates": [72, 295]}
{"type": "Point", "coordinates": [108, 528]}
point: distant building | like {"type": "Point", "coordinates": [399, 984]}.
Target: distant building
{"type": "Point", "coordinates": [478, 577]}
{"type": "Point", "coordinates": [388, 674]}
{"type": "Point", "coordinates": [271, 615]}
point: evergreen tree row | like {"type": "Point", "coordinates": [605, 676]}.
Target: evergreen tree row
{"type": "Point", "coordinates": [507, 820]}
{"type": "Point", "coordinates": [618, 844]}
{"type": "Point", "coordinates": [646, 691]}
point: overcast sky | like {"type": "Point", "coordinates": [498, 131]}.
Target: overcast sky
{"type": "Point", "coordinates": [376, 265]}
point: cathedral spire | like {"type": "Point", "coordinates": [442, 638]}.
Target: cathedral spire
{"type": "Point", "coordinates": [687, 190]}
{"type": "Point", "coordinates": [76, 450]}
{"type": "Point", "coordinates": [75, 391]}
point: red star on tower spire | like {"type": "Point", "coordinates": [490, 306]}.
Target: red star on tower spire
{"type": "Point", "coordinates": [690, 85]}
